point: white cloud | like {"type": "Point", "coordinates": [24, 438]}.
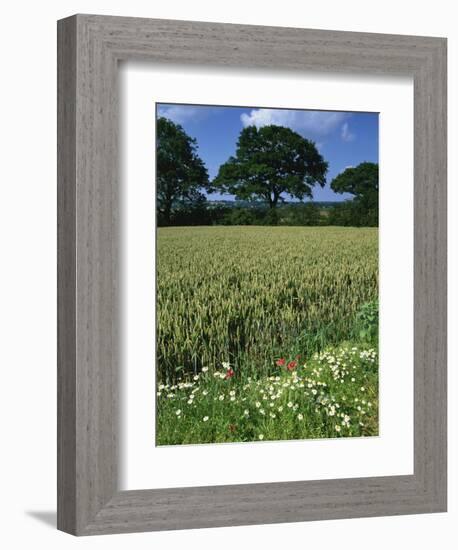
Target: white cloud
{"type": "Point", "coordinates": [316, 122]}
{"type": "Point", "coordinates": [345, 134]}
{"type": "Point", "coordinates": [180, 113]}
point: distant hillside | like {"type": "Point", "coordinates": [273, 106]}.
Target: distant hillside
{"type": "Point", "coordinates": [261, 204]}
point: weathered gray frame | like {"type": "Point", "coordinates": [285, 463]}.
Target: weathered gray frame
{"type": "Point", "coordinates": [89, 48]}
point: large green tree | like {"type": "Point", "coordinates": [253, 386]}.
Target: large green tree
{"type": "Point", "coordinates": [271, 161]}
{"type": "Point", "coordinates": [360, 181]}
{"type": "Point", "coordinates": [181, 174]}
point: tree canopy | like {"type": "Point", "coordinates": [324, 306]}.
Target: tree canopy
{"type": "Point", "coordinates": [271, 161]}
{"type": "Point", "coordinates": [181, 174]}
{"type": "Point", "coordinates": [360, 181]}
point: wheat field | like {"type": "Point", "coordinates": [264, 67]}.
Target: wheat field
{"type": "Point", "coordinates": [245, 295]}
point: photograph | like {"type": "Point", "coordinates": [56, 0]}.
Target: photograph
{"type": "Point", "coordinates": [266, 274]}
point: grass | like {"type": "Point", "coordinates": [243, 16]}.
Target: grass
{"type": "Point", "coordinates": [246, 297]}
{"type": "Point", "coordinates": [334, 394]}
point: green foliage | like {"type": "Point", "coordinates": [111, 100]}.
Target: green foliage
{"type": "Point", "coordinates": [240, 216]}
{"type": "Point", "coordinates": [271, 161]}
{"type": "Point", "coordinates": [366, 326]}
{"type": "Point", "coordinates": [187, 213]}
{"type": "Point", "coordinates": [330, 394]}
{"type": "Point", "coordinates": [307, 214]}
{"type": "Point", "coordinates": [181, 174]}
{"type": "Point", "coordinates": [362, 182]}
{"type": "Point", "coordinates": [202, 212]}
{"type": "Point", "coordinates": [270, 217]}
{"type": "Point", "coordinates": [353, 214]}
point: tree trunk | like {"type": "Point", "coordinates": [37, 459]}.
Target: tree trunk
{"type": "Point", "coordinates": [167, 212]}
{"type": "Point", "coordinates": [273, 201]}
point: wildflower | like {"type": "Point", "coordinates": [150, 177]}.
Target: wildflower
{"type": "Point", "coordinates": [290, 405]}
{"type": "Point", "coordinates": [300, 416]}
{"type": "Point", "coordinates": [229, 373]}
{"type": "Point", "coordinates": [291, 365]}
{"type": "Point", "coordinates": [260, 437]}
{"type": "Point", "coordinates": [178, 412]}
{"type": "Point", "coordinates": [204, 369]}
{"type": "Point", "coordinates": [232, 392]}
{"type": "Point", "coordinates": [189, 401]}
{"type": "Point", "coordinates": [258, 404]}
{"type": "Point", "coordinates": [280, 362]}
{"type": "Point", "coordinates": [205, 418]}
{"type": "Point", "coordinates": [337, 428]}
{"type": "Point", "coordinates": [362, 388]}
{"type": "Point", "coordinates": [272, 415]}
{"type": "Point", "coordinates": [221, 397]}
{"type": "Point", "coordinates": [280, 409]}
{"type": "Point", "coordinates": [196, 377]}
{"type": "Point", "coordinates": [205, 392]}
{"type": "Point", "coordinates": [246, 412]}
{"type": "Point", "coordinates": [226, 365]}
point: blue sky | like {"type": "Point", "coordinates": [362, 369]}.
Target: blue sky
{"type": "Point", "coordinates": [343, 138]}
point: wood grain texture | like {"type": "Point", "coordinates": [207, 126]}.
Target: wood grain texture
{"type": "Point", "coordinates": [90, 48]}
{"type": "Point", "coordinates": [66, 275]}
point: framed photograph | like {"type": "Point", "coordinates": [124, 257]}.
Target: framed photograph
{"type": "Point", "coordinates": [267, 309]}
{"type": "Point", "coordinates": [251, 275]}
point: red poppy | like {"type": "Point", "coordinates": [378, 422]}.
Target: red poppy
{"type": "Point", "coordinates": [280, 362]}
{"type": "Point", "coordinates": [229, 373]}
{"type": "Point", "coordinates": [291, 365]}
{"type": "Point", "coordinates": [298, 356]}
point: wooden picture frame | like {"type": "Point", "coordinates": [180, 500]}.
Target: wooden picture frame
{"type": "Point", "coordinates": [89, 49]}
